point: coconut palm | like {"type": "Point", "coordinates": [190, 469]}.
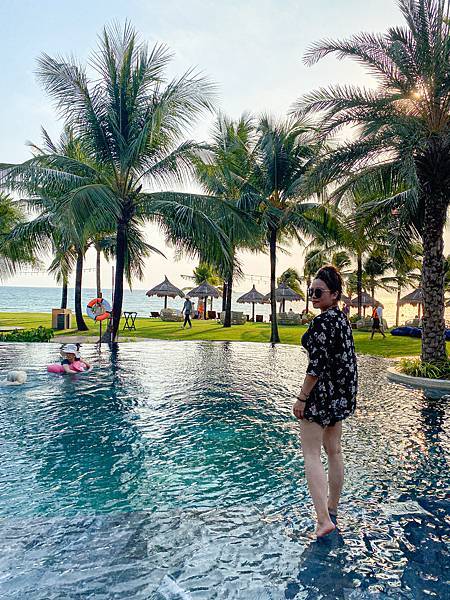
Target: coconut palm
{"type": "Point", "coordinates": [133, 123]}
{"type": "Point", "coordinates": [358, 234]}
{"type": "Point", "coordinates": [61, 267]}
{"type": "Point", "coordinates": [13, 256]}
{"type": "Point", "coordinates": [314, 259]}
{"type": "Point", "coordinates": [406, 274]}
{"type": "Point", "coordinates": [67, 252]}
{"type": "Point", "coordinates": [375, 266]}
{"type": "Point", "coordinates": [205, 272]}
{"type": "Point", "coordinates": [404, 121]}
{"type": "Point", "coordinates": [341, 260]}
{"type": "Point", "coordinates": [49, 232]}
{"type": "Point", "coordinates": [283, 155]}
{"type": "Point", "coordinates": [292, 278]}
{"type": "Point", "coordinates": [223, 172]}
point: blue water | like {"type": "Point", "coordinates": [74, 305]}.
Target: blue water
{"type": "Point", "coordinates": [174, 471]}
{"type": "Point", "coordinates": [43, 299]}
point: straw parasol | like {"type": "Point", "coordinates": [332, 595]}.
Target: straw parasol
{"type": "Point", "coordinates": [252, 297]}
{"type": "Point", "coordinates": [205, 290]}
{"type": "Point", "coordinates": [283, 293]}
{"type": "Point", "coordinates": [165, 290]}
{"type": "Point", "coordinates": [415, 298]}
{"type": "Point", "coordinates": [366, 300]}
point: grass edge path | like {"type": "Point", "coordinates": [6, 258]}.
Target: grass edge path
{"type": "Point", "coordinates": [391, 347]}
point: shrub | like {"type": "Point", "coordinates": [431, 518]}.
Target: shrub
{"type": "Point", "coordinates": [354, 319]}
{"type": "Point", "coordinates": [40, 334]}
{"type": "Point", "coordinates": [416, 368]}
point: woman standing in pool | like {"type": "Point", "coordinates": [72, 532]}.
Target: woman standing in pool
{"type": "Point", "coordinates": [327, 396]}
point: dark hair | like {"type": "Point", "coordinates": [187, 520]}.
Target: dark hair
{"type": "Point", "coordinates": [332, 278]}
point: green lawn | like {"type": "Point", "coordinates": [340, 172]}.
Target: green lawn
{"type": "Point", "coordinates": [210, 330]}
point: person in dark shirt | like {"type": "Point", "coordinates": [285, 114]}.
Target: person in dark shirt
{"type": "Point", "coordinates": [327, 396]}
{"type": "Point", "coordinates": [187, 310]}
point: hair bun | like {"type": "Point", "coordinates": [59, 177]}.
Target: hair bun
{"type": "Point", "coordinates": [332, 278]}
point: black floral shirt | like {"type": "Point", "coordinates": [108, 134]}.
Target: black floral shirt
{"type": "Point", "coordinates": [332, 358]}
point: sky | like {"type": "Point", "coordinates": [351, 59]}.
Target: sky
{"type": "Point", "coordinates": [252, 50]}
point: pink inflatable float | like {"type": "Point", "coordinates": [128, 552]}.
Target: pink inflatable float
{"type": "Point", "coordinates": [78, 366]}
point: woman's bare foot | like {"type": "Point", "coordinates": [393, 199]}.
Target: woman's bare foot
{"type": "Point", "coordinates": [325, 528]}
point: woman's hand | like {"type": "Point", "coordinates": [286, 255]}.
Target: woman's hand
{"type": "Point", "coordinates": [299, 408]}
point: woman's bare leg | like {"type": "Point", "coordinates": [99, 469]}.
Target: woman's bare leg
{"type": "Point", "coordinates": [332, 444]}
{"type": "Point", "coordinates": [311, 438]}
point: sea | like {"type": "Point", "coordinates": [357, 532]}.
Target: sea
{"type": "Point", "coordinates": [43, 299]}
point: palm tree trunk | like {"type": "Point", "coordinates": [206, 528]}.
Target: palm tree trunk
{"type": "Point", "coordinates": [433, 272]}
{"type": "Point", "coordinates": [397, 312]}
{"type": "Point", "coordinates": [227, 320]}
{"type": "Point", "coordinates": [97, 272]}
{"type": "Point", "coordinates": [64, 293]}
{"type": "Point", "coordinates": [274, 336]}
{"type": "Point", "coordinates": [359, 273]}
{"type": "Point", "coordinates": [224, 296]}
{"type": "Point", "coordinates": [308, 283]}
{"type": "Point", "coordinates": [81, 325]}
{"type": "Point", "coordinates": [121, 246]}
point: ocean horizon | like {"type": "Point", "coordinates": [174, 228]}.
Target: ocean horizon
{"type": "Point", "coordinates": [43, 299]}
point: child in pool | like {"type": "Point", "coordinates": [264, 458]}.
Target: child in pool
{"type": "Point", "coordinates": [71, 359]}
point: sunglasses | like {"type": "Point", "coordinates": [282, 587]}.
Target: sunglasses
{"type": "Point", "coordinates": [316, 292]}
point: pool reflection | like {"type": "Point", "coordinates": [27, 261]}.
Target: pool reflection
{"type": "Point", "coordinates": [180, 463]}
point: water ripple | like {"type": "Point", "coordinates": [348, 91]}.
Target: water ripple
{"type": "Point", "coordinates": [174, 470]}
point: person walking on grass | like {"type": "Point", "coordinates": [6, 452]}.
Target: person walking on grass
{"type": "Point", "coordinates": [327, 396]}
{"type": "Point", "coordinates": [377, 320]}
{"type": "Point", "coordinates": [187, 310]}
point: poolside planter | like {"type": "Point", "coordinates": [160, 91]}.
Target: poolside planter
{"type": "Point", "coordinates": [397, 376]}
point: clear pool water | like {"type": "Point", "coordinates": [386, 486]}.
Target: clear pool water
{"type": "Point", "coordinates": [174, 471]}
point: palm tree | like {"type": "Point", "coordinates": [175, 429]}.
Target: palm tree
{"type": "Point", "coordinates": [375, 266]}
{"type": "Point", "coordinates": [404, 122]}
{"type": "Point", "coordinates": [341, 260]}
{"type": "Point", "coordinates": [133, 124]}
{"type": "Point", "coordinates": [283, 155]}
{"type": "Point", "coordinates": [292, 278]}
{"type": "Point", "coordinates": [53, 228]}
{"type": "Point", "coordinates": [405, 276]}
{"type": "Point", "coordinates": [48, 231]}
{"type": "Point", "coordinates": [358, 234]}
{"type": "Point", "coordinates": [223, 172]}
{"type": "Point", "coordinates": [61, 267]}
{"type": "Point", "coordinates": [314, 259]}
{"type": "Point", "coordinates": [205, 272]}
{"type": "Point", "coordinates": [13, 256]}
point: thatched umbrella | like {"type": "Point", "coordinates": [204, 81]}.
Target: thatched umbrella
{"type": "Point", "coordinates": [165, 290]}
{"type": "Point", "coordinates": [366, 300]}
{"type": "Point", "coordinates": [415, 298]}
{"type": "Point", "coordinates": [283, 293]}
{"type": "Point", "coordinates": [205, 290]}
{"type": "Point", "coordinates": [252, 297]}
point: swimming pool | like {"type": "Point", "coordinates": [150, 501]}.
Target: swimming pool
{"type": "Point", "coordinates": [174, 471]}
